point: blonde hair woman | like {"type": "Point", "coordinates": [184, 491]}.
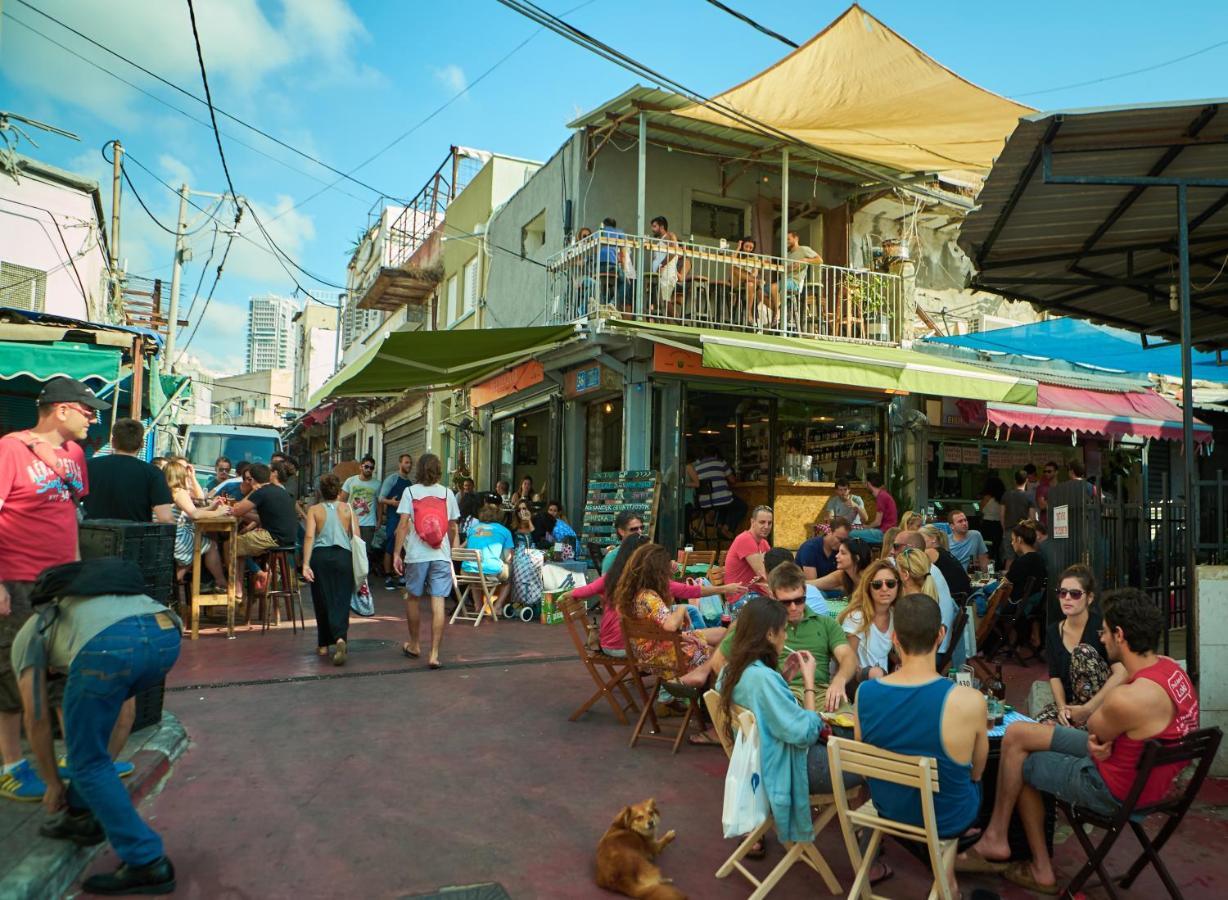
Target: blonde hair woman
{"type": "Point", "coordinates": [868, 621]}
{"type": "Point", "coordinates": [888, 543]}
{"type": "Point", "coordinates": [914, 568]}
{"type": "Point", "coordinates": [180, 480]}
{"type": "Point", "coordinates": [935, 537]}
{"type": "Point", "coordinates": [910, 521]}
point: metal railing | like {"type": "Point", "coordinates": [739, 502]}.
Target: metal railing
{"type": "Point", "coordinates": [692, 284]}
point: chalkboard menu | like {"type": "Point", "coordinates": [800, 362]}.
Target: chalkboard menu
{"type": "Point", "coordinates": [610, 493]}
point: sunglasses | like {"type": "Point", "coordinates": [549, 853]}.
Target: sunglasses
{"type": "Point", "coordinates": [796, 601]}
{"type": "Point", "coordinates": [899, 546]}
{"type": "Point", "coordinates": [890, 583]}
{"type": "Point", "coordinates": [1073, 595]}
{"type": "Point", "coordinates": [90, 414]}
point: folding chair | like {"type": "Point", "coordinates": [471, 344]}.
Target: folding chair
{"type": "Point", "coordinates": [986, 625]}
{"type": "Point", "coordinates": [635, 630]}
{"type": "Point", "coordinates": [957, 635]}
{"type": "Point", "coordinates": [471, 608]}
{"type": "Point", "coordinates": [803, 851]}
{"type": "Point", "coordinates": [619, 673]}
{"type": "Point", "coordinates": [1197, 746]}
{"type": "Point", "coordinates": [698, 558]}
{"type": "Point", "coordinates": [1009, 618]}
{"type": "Point", "coordinates": [917, 772]}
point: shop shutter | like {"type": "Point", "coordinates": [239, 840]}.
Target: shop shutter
{"type": "Point", "coordinates": [408, 438]}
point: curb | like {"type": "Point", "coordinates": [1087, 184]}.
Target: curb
{"type": "Point", "coordinates": [51, 867]}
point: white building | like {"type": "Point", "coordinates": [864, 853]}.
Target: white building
{"type": "Point", "coordinates": [53, 252]}
{"type": "Point", "coordinates": [254, 398]}
{"type": "Point", "coordinates": [270, 333]}
{"type": "Point", "coordinates": [315, 335]}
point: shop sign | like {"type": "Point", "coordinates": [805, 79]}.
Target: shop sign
{"type": "Point", "coordinates": [507, 383]}
{"type": "Point", "coordinates": [590, 380]}
{"type": "Point", "coordinates": [1061, 522]}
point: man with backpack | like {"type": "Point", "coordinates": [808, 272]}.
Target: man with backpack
{"type": "Point", "coordinates": [425, 536]}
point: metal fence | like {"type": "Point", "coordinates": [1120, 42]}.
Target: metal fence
{"type": "Point", "coordinates": [693, 284]}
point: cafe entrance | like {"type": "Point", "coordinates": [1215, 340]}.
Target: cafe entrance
{"type": "Point", "coordinates": [525, 446]}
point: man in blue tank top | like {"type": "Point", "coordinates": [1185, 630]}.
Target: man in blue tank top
{"type": "Point", "coordinates": [917, 712]}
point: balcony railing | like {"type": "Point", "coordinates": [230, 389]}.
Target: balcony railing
{"type": "Point", "coordinates": [713, 287]}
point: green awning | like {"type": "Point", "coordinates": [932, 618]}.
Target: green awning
{"type": "Point", "coordinates": [852, 364]}
{"type": "Point", "coordinates": [405, 360]}
{"type": "Point", "coordinates": [42, 362]}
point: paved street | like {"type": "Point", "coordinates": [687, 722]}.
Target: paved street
{"type": "Point", "coordinates": [384, 779]}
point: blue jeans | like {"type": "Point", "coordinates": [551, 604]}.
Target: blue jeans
{"type": "Point", "coordinates": [128, 657]}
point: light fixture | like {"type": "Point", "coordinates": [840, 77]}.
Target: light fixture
{"type": "Point", "coordinates": [608, 408]}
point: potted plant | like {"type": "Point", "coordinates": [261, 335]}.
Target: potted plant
{"type": "Point", "coordinates": [870, 296]}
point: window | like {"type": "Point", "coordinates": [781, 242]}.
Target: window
{"type": "Point", "coordinates": [22, 287]}
{"type": "Point", "coordinates": [533, 235]}
{"type": "Point", "coordinates": [711, 220]}
{"type": "Point", "coordinates": [471, 285]}
{"type": "Point", "coordinates": [451, 308]}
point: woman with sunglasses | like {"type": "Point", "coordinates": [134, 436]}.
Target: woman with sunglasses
{"type": "Point", "coordinates": [1079, 669]}
{"type": "Point", "coordinates": [852, 558]}
{"type": "Point", "coordinates": [868, 621]}
{"type": "Point", "coordinates": [522, 524]}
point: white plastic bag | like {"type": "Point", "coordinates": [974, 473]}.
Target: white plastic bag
{"type": "Point", "coordinates": [358, 552]}
{"type": "Point", "coordinates": [746, 804]}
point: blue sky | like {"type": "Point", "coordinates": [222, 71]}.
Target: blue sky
{"type": "Point", "coordinates": [341, 80]}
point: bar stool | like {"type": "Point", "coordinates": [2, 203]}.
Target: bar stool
{"type": "Point", "coordinates": [283, 586]}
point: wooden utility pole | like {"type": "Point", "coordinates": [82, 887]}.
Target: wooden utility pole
{"type": "Point", "coordinates": [117, 152]}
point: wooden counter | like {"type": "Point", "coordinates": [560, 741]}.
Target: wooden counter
{"type": "Point", "coordinates": [797, 505]}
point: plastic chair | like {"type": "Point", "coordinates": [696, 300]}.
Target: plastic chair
{"type": "Point", "coordinates": [917, 772]}
{"type": "Point", "coordinates": [618, 673]}
{"type": "Point", "coordinates": [470, 608]}
{"type": "Point", "coordinates": [1196, 747]}
{"type": "Point", "coordinates": [662, 673]}
{"type": "Point", "coordinates": [796, 851]}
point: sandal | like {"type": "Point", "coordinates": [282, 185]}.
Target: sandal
{"type": "Point", "coordinates": [885, 874]}
{"type": "Point", "coordinates": [1020, 873]}
{"type": "Point", "coordinates": [757, 850]}
{"type": "Point", "coordinates": [410, 653]}
{"type": "Point", "coordinates": [972, 861]}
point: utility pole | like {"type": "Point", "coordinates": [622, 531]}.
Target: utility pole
{"type": "Point", "coordinates": [117, 152]}
{"type": "Point", "coordinates": [172, 318]}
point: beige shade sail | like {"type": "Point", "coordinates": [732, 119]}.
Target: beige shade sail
{"type": "Point", "coordinates": [859, 89]}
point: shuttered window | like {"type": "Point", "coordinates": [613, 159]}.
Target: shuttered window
{"type": "Point", "coordinates": [22, 287]}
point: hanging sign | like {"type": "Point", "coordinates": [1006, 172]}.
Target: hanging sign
{"type": "Point", "coordinates": [1061, 522]}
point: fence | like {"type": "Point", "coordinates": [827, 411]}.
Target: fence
{"type": "Point", "coordinates": [692, 284]}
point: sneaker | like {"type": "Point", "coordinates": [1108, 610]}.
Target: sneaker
{"type": "Point", "coordinates": [22, 784]}
{"type": "Point", "coordinates": [390, 584]}
{"type": "Point", "coordinates": [79, 827]}
{"type": "Point", "coordinates": [122, 769]}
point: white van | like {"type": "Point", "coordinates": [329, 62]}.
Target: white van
{"type": "Point", "coordinates": [203, 444]}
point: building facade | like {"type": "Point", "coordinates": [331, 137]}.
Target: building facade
{"type": "Point", "coordinates": [254, 398]}
{"type": "Point", "coordinates": [316, 356]}
{"type": "Point", "coordinates": [270, 333]}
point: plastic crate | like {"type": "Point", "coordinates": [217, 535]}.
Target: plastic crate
{"type": "Point", "coordinates": [149, 706]}
{"type": "Point", "coordinates": [150, 545]}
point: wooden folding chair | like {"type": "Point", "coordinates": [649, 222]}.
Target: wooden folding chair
{"type": "Point", "coordinates": [796, 851]}
{"type": "Point", "coordinates": [957, 636]}
{"type": "Point", "coordinates": [698, 558]}
{"type": "Point", "coordinates": [986, 624]}
{"type": "Point", "coordinates": [618, 673]}
{"type": "Point", "coordinates": [475, 593]}
{"type": "Point", "coordinates": [661, 673]}
{"type": "Point", "coordinates": [1196, 747]}
{"type": "Point", "coordinates": [917, 772]}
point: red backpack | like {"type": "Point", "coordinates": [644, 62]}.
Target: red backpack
{"type": "Point", "coordinates": [430, 518]}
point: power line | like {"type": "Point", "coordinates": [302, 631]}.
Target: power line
{"type": "Point", "coordinates": [204, 77]}
{"type": "Point", "coordinates": [751, 22]}
{"type": "Point", "coordinates": [1152, 68]}
{"type": "Point", "coordinates": [187, 93]}
{"type": "Point", "coordinates": [182, 112]}
{"type": "Point", "coordinates": [204, 270]}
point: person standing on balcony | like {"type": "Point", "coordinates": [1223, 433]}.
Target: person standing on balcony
{"type": "Point", "coordinates": [614, 261]}
{"type": "Point", "coordinates": [801, 257]}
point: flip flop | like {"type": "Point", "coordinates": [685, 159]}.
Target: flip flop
{"type": "Point", "coordinates": [972, 862]}
{"type": "Point", "coordinates": [702, 739]}
{"type": "Point", "coordinates": [1020, 873]}
{"type": "Point", "coordinates": [752, 853]}
{"type": "Point", "coordinates": [887, 873]}
{"type": "Point", "coordinates": [411, 654]}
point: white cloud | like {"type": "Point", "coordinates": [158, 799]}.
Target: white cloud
{"type": "Point", "coordinates": [452, 77]}
{"type": "Point", "coordinates": [177, 171]}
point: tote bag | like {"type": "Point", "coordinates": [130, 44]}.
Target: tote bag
{"type": "Point", "coordinates": [358, 552]}
{"type": "Point", "coordinates": [746, 804]}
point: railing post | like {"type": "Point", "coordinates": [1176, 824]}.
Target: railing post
{"type": "Point", "coordinates": [641, 211]}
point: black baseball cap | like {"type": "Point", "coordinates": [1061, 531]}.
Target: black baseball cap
{"type": "Point", "coordinates": [69, 390]}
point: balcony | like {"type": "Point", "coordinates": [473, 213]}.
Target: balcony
{"type": "Point", "coordinates": [713, 287]}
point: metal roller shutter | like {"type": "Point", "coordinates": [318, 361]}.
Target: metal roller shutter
{"type": "Point", "coordinates": [408, 438]}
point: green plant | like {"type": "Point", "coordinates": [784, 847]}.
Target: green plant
{"type": "Point", "coordinates": [868, 293]}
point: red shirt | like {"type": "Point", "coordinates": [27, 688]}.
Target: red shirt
{"type": "Point", "coordinates": [885, 504]}
{"type": "Point", "coordinates": [611, 625]}
{"type": "Point", "coordinates": [38, 510]}
{"type": "Point", "coordinates": [1119, 770]}
{"type": "Point", "coordinates": [737, 570]}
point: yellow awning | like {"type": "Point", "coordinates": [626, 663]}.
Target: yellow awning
{"type": "Point", "coordinates": [859, 89]}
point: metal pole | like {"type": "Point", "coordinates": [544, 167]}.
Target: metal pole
{"type": "Point", "coordinates": [172, 319]}
{"type": "Point", "coordinates": [784, 204]}
{"type": "Point", "coordinates": [117, 152]}
{"type": "Point", "coordinates": [641, 210]}
{"type": "Point", "coordinates": [1187, 436]}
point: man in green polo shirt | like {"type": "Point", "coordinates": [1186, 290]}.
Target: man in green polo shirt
{"type": "Point", "coordinates": [807, 630]}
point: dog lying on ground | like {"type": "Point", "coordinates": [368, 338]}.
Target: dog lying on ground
{"type": "Point", "coordinates": [626, 852]}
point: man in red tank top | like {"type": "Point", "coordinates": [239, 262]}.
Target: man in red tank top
{"type": "Point", "coordinates": [1093, 769]}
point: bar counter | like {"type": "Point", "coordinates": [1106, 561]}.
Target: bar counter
{"type": "Point", "coordinates": [797, 505]}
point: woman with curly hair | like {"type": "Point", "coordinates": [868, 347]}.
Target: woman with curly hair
{"type": "Point", "coordinates": [868, 621]}
{"type": "Point", "coordinates": [642, 592]}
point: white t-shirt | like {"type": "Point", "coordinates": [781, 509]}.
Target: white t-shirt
{"type": "Point", "coordinates": [415, 550]}
{"type": "Point", "coordinates": [874, 646]}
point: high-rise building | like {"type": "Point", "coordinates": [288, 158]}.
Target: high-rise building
{"type": "Point", "coordinates": [270, 333]}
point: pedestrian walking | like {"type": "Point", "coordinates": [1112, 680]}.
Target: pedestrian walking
{"type": "Point", "coordinates": [42, 477]}
{"type": "Point", "coordinates": [330, 524]}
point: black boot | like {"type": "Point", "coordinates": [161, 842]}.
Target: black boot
{"type": "Point", "coordinates": [79, 827]}
{"type": "Point", "coordinates": [157, 877]}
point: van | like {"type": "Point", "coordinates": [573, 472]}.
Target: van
{"type": "Point", "coordinates": [203, 444]}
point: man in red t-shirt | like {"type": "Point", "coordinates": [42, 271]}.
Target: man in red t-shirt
{"type": "Point", "coordinates": [744, 561]}
{"type": "Point", "coordinates": [1092, 769]}
{"type": "Point", "coordinates": [42, 478]}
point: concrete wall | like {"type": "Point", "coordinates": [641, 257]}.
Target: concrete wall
{"type": "Point", "coordinates": [255, 398]}
{"type": "Point", "coordinates": [1212, 586]}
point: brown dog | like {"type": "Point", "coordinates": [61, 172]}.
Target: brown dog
{"type": "Point", "coordinates": [626, 851]}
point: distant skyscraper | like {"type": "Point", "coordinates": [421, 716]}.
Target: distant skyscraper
{"type": "Point", "coordinates": [270, 333]}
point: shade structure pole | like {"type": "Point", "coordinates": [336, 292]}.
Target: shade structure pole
{"type": "Point", "coordinates": [784, 236]}
{"type": "Point", "coordinates": [641, 209]}
{"type": "Point", "coordinates": [1192, 522]}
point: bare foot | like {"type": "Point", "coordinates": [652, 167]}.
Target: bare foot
{"type": "Point", "coordinates": [989, 849]}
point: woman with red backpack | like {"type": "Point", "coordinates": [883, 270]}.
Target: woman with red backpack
{"type": "Point", "coordinates": [423, 551]}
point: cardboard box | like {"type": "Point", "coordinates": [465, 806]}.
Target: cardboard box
{"type": "Point", "coordinates": [551, 614]}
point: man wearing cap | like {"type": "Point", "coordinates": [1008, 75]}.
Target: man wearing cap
{"type": "Point", "coordinates": [42, 478]}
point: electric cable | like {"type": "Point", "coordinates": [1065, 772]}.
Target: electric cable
{"type": "Point", "coordinates": [204, 77]}
{"type": "Point", "coordinates": [752, 23]}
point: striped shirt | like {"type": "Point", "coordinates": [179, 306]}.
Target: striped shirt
{"type": "Point", "coordinates": [716, 471]}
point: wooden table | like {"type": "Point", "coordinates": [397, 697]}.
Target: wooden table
{"type": "Point", "coordinates": [220, 526]}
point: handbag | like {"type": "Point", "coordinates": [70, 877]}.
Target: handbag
{"type": "Point", "coordinates": [358, 551]}
{"type": "Point", "coordinates": [746, 803]}
{"type": "Point", "coordinates": [361, 601]}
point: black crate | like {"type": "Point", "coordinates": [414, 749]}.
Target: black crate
{"type": "Point", "coordinates": [151, 545]}
{"type": "Point", "coordinates": [149, 706]}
